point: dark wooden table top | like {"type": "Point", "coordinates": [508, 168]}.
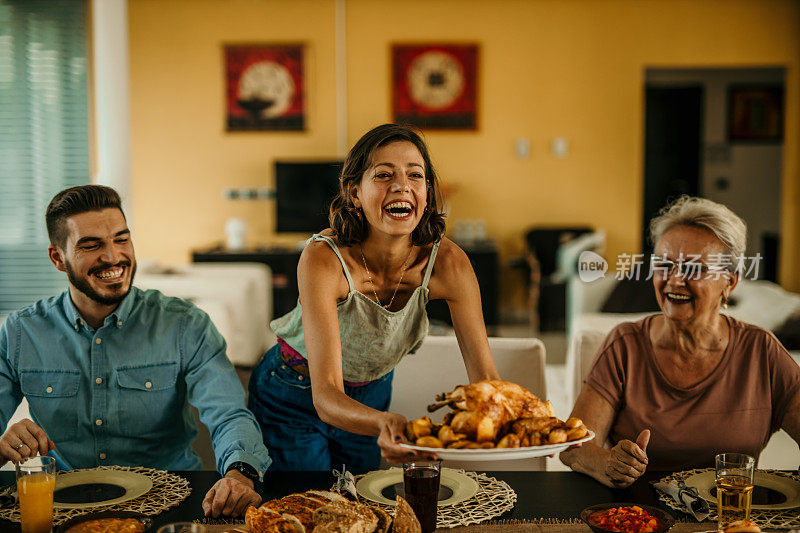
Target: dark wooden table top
{"type": "Point", "coordinates": [559, 495]}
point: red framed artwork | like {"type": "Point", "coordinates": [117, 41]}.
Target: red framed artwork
{"type": "Point", "coordinates": [264, 87]}
{"type": "Point", "coordinates": [435, 86]}
{"type": "Point", "coordinates": [755, 113]}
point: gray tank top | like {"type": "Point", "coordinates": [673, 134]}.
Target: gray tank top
{"type": "Point", "coordinates": [373, 338]}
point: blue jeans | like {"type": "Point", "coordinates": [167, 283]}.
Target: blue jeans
{"type": "Point", "coordinates": [295, 437]}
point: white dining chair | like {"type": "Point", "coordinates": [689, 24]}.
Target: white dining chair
{"type": "Point", "coordinates": [438, 367]}
{"type": "Point", "coordinates": [236, 296]}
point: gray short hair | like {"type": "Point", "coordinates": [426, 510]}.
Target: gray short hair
{"type": "Point", "coordinates": [726, 225]}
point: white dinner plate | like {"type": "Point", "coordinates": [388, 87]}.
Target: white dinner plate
{"type": "Point", "coordinates": [133, 483]}
{"type": "Point", "coordinates": [705, 481]}
{"type": "Point", "coordinates": [371, 485]}
{"type": "Point", "coordinates": [501, 454]}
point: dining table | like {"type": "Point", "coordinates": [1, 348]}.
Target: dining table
{"type": "Point", "coordinates": [540, 495]}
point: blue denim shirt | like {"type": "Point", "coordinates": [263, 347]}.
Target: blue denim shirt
{"type": "Point", "coordinates": [120, 394]}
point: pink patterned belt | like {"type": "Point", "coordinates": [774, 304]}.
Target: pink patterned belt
{"type": "Point", "coordinates": [299, 364]}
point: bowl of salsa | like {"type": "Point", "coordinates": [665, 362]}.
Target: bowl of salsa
{"type": "Point", "coordinates": [626, 518]}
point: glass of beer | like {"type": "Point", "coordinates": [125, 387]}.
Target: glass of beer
{"type": "Point", "coordinates": [36, 481]}
{"type": "Point", "coordinates": [734, 487]}
{"type": "Point", "coordinates": [421, 485]}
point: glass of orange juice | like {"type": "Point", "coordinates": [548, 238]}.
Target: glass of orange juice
{"type": "Point", "coordinates": [36, 481]}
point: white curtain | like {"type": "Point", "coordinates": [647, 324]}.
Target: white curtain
{"type": "Point", "coordinates": [44, 131]}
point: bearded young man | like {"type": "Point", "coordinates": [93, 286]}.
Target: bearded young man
{"type": "Point", "coordinates": [109, 370]}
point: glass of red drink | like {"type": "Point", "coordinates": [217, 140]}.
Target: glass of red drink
{"type": "Point", "coordinates": [421, 484]}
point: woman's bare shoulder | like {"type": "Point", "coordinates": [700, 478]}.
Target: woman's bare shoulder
{"type": "Point", "coordinates": [320, 268]}
{"type": "Point", "coordinates": [318, 255]}
{"type": "Point", "coordinates": [450, 258]}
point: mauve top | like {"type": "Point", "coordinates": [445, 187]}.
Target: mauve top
{"type": "Point", "coordinates": [736, 408]}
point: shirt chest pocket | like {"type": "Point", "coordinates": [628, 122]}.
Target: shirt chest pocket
{"type": "Point", "coordinates": [148, 400]}
{"type": "Point", "coordinates": [52, 396]}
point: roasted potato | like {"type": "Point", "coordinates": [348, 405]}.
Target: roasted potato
{"type": "Point", "coordinates": [509, 441]}
{"type": "Point", "coordinates": [429, 442]}
{"type": "Point", "coordinates": [573, 423]}
{"type": "Point", "coordinates": [557, 436]}
{"type": "Point", "coordinates": [447, 435]}
{"type": "Point", "coordinates": [577, 433]}
{"type": "Point", "coordinates": [421, 427]}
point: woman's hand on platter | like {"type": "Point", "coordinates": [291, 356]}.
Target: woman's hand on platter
{"type": "Point", "coordinates": [627, 460]}
{"type": "Point", "coordinates": [392, 435]}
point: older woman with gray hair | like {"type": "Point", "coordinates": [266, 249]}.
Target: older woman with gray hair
{"type": "Point", "coordinates": [674, 389]}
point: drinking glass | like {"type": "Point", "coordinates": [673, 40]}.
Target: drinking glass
{"type": "Point", "coordinates": [734, 487]}
{"type": "Point", "coordinates": [182, 527]}
{"type": "Point", "coordinates": [421, 484]}
{"type": "Point", "coordinates": [36, 481]}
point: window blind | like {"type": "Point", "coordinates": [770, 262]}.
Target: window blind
{"type": "Point", "coordinates": [44, 145]}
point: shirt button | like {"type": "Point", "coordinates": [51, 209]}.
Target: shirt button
{"type": "Point", "coordinates": [49, 390]}
{"type": "Point", "coordinates": [283, 367]}
{"type": "Point", "coordinates": [148, 385]}
{"type": "Point", "coordinates": [119, 323]}
{"type": "Point", "coordinates": [98, 422]}
{"type": "Point", "coordinates": [102, 456]}
{"type": "Point", "coordinates": [99, 381]}
{"type": "Point", "coordinates": [98, 340]}
{"type": "Point", "coordinates": [299, 378]}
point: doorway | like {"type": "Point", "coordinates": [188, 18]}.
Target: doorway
{"type": "Point", "coordinates": [673, 120]}
{"type": "Point", "coordinates": [692, 148]}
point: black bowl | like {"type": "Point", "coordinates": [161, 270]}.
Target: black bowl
{"type": "Point", "coordinates": [664, 517]}
{"type": "Point", "coordinates": [144, 519]}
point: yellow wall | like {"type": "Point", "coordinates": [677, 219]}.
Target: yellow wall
{"type": "Point", "coordinates": [548, 68]}
{"type": "Point", "coordinates": [182, 155]}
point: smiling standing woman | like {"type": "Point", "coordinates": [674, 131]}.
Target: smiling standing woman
{"type": "Point", "coordinates": [672, 390]}
{"type": "Point", "coordinates": [321, 394]}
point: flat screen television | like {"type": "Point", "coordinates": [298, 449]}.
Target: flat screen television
{"type": "Point", "coordinates": [303, 194]}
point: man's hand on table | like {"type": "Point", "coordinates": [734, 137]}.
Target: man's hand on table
{"type": "Point", "coordinates": [230, 496]}
{"type": "Point", "coordinates": [22, 440]}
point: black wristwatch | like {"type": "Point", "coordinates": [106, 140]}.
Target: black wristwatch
{"type": "Point", "coordinates": [246, 470]}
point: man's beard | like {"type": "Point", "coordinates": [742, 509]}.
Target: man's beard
{"type": "Point", "coordinates": [82, 284]}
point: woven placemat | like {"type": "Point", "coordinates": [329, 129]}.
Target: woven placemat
{"type": "Point", "coordinates": [560, 526]}
{"type": "Point", "coordinates": [772, 519]}
{"type": "Point", "coordinates": [494, 497]}
{"type": "Point", "coordinates": [168, 491]}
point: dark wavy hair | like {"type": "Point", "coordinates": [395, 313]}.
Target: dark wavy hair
{"type": "Point", "coordinates": [74, 201]}
{"type": "Point", "coordinates": [348, 222]}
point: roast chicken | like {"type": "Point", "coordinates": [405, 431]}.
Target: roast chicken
{"type": "Point", "coordinates": [483, 408]}
{"type": "Point", "coordinates": [493, 414]}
